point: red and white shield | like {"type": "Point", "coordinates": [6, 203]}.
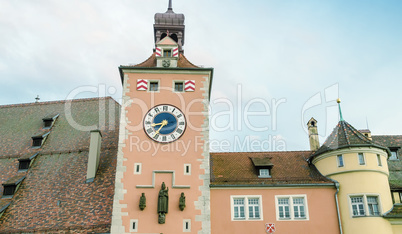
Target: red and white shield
{"type": "Point", "coordinates": [270, 227]}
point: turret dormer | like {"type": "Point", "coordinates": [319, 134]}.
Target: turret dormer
{"type": "Point", "coordinates": [169, 24]}
{"type": "Point", "coordinates": [167, 53]}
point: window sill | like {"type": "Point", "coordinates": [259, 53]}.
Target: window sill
{"type": "Point", "coordinates": [264, 177]}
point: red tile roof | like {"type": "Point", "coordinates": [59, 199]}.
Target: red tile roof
{"type": "Point", "coordinates": [54, 197]}
{"type": "Point", "coordinates": [289, 167]}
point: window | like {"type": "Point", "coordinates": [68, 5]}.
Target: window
{"type": "Point", "coordinates": [24, 164]}
{"type": "Point", "coordinates": [239, 208]}
{"type": "Point", "coordinates": [187, 169]}
{"type": "Point", "coordinates": [187, 225]}
{"type": "Point", "coordinates": [167, 53]}
{"type": "Point", "coordinates": [284, 211]}
{"type": "Point", "coordinates": [154, 86]}
{"type": "Point", "coordinates": [246, 208]}
{"type": "Point", "coordinates": [292, 207]}
{"type": "Point", "coordinates": [394, 154]}
{"type": "Point", "coordinates": [253, 208]}
{"type": "Point", "coordinates": [361, 159]}
{"type": "Point", "coordinates": [298, 208]}
{"type": "Point", "coordinates": [379, 160]}
{"type": "Point", "coordinates": [365, 205]}
{"type": "Point", "coordinates": [9, 190]}
{"type": "Point", "coordinates": [357, 206]}
{"type": "Point", "coordinates": [137, 168]}
{"type": "Point", "coordinates": [264, 173]}
{"type": "Point", "coordinates": [134, 225]}
{"type": "Point", "coordinates": [340, 160]}
{"type": "Point", "coordinates": [178, 86]}
{"type": "Point", "coordinates": [37, 141]}
{"type": "Point", "coordinates": [372, 204]}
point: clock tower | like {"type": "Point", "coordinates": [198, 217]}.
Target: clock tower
{"type": "Point", "coordinates": [162, 176]}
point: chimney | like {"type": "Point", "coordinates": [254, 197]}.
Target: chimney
{"type": "Point", "coordinates": [93, 155]}
{"type": "Point", "coordinates": [313, 134]}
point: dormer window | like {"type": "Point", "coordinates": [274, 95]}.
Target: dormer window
{"type": "Point", "coordinates": [264, 173]}
{"type": "Point", "coordinates": [394, 154]}
{"type": "Point", "coordinates": [38, 140]}
{"type": "Point", "coordinates": [25, 162]}
{"type": "Point", "coordinates": [49, 120]}
{"type": "Point", "coordinates": [167, 53]}
{"type": "Point", "coordinates": [11, 186]}
{"type": "Point", "coordinates": [263, 166]}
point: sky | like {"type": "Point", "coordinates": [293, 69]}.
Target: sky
{"type": "Point", "coordinates": [279, 61]}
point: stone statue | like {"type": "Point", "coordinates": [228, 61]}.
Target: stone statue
{"type": "Point", "coordinates": [143, 201]}
{"type": "Point", "coordinates": [182, 202]}
{"type": "Point", "coordinates": [163, 203]}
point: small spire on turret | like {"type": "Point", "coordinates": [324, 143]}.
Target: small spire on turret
{"type": "Point", "coordinates": [340, 111]}
{"type": "Point", "coordinates": [170, 5]}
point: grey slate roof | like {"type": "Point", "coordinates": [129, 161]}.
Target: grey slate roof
{"type": "Point", "coordinates": [345, 135]}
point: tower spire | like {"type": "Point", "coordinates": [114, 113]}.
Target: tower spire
{"type": "Point", "coordinates": [340, 111]}
{"type": "Point", "coordinates": [170, 5]}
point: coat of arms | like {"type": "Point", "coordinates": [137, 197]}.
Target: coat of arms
{"type": "Point", "coordinates": [270, 227]}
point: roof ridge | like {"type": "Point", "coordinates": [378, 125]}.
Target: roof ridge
{"type": "Point", "coordinates": [55, 102]}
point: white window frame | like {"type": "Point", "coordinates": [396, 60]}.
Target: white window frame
{"type": "Point", "coordinates": [132, 221]}
{"type": "Point", "coordinates": [365, 205]}
{"type": "Point", "coordinates": [267, 175]}
{"type": "Point", "coordinates": [246, 207]}
{"type": "Point", "coordinates": [139, 165]}
{"type": "Point", "coordinates": [185, 169]}
{"type": "Point", "coordinates": [361, 159]}
{"type": "Point", "coordinates": [340, 156]}
{"type": "Point", "coordinates": [291, 199]}
{"type": "Point", "coordinates": [186, 225]}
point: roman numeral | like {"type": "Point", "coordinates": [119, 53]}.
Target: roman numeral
{"type": "Point", "coordinates": [179, 131]}
{"type": "Point", "coordinates": [164, 138]}
{"type": "Point", "coordinates": [180, 115]}
{"type": "Point", "coordinates": [149, 130]}
{"type": "Point", "coordinates": [172, 136]}
{"type": "Point", "coordinates": [181, 123]}
{"type": "Point", "coordinates": [173, 110]}
{"type": "Point", "coordinates": [150, 115]}
{"type": "Point", "coordinates": [165, 108]}
{"type": "Point", "coordinates": [156, 110]}
{"type": "Point", "coordinates": [156, 136]}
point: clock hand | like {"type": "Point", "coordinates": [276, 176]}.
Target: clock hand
{"type": "Point", "coordinates": [164, 123]}
{"type": "Point", "coordinates": [155, 124]}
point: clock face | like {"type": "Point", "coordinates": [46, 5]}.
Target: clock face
{"type": "Point", "coordinates": [164, 123]}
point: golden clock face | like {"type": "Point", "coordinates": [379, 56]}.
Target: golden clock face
{"type": "Point", "coordinates": [164, 123]}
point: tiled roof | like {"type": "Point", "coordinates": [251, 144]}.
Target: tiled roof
{"type": "Point", "coordinates": [151, 62]}
{"type": "Point", "coordinates": [344, 135]}
{"type": "Point", "coordinates": [394, 166]}
{"type": "Point", "coordinates": [54, 196]}
{"type": "Point", "coordinates": [289, 168]}
{"type": "Point", "coordinates": [395, 212]}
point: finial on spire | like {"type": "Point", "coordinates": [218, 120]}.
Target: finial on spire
{"type": "Point", "coordinates": [37, 99]}
{"type": "Point", "coordinates": [340, 111]}
{"type": "Point", "coordinates": [170, 5]}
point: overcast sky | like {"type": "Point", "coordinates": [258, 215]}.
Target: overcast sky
{"type": "Point", "coordinates": [288, 60]}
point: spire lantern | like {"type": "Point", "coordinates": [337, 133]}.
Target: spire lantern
{"type": "Point", "coordinates": [169, 24]}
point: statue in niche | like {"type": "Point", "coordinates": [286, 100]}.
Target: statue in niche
{"type": "Point", "coordinates": [163, 203]}
{"type": "Point", "coordinates": [143, 201]}
{"type": "Point", "coordinates": [182, 202]}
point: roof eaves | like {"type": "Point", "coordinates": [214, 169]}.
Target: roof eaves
{"type": "Point", "coordinates": [271, 185]}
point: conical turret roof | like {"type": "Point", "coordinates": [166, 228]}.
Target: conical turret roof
{"type": "Point", "coordinates": [345, 135]}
